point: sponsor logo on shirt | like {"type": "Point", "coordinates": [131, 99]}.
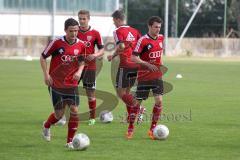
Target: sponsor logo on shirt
{"type": "Point", "coordinates": [87, 44]}
{"type": "Point", "coordinates": [156, 54]}
{"type": "Point", "coordinates": [130, 37]}
{"type": "Point", "coordinates": [61, 50]}
{"type": "Point", "coordinates": [149, 46]}
{"type": "Point", "coordinates": [68, 58]}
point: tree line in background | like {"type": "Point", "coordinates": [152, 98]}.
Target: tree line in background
{"type": "Point", "coordinates": [209, 21]}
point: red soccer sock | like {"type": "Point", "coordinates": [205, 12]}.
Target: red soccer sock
{"type": "Point", "coordinates": [92, 108]}
{"type": "Point", "coordinates": [128, 99]}
{"type": "Point", "coordinates": [128, 112]}
{"type": "Point", "coordinates": [133, 113]}
{"type": "Point", "coordinates": [128, 109]}
{"type": "Point", "coordinates": [50, 121]}
{"type": "Point", "coordinates": [157, 109]}
{"type": "Point", "coordinates": [72, 127]}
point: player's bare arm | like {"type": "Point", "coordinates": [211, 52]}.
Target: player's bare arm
{"type": "Point", "coordinates": [97, 54]}
{"type": "Point", "coordinates": [119, 49]}
{"type": "Point", "coordinates": [78, 74]}
{"type": "Point", "coordinates": [47, 78]}
{"type": "Point", "coordinates": [137, 60]}
{"type": "Point", "coordinates": [112, 56]}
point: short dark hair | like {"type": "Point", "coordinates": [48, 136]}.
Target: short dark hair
{"type": "Point", "coordinates": [85, 12]}
{"type": "Point", "coordinates": [118, 14]}
{"type": "Point", "coordinates": [153, 19]}
{"type": "Point", "coordinates": [70, 22]}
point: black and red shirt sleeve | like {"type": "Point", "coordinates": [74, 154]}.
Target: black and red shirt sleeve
{"type": "Point", "coordinates": [99, 40]}
{"type": "Point", "coordinates": [49, 50]}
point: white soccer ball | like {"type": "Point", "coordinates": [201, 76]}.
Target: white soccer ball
{"type": "Point", "coordinates": [160, 132]}
{"type": "Point", "coordinates": [106, 116]}
{"type": "Point", "coordinates": [80, 141]}
{"type": "Point", "coordinates": [28, 58]}
{"type": "Point", "coordinates": [179, 76]}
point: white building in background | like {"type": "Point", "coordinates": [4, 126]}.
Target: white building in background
{"type": "Point", "coordinates": [41, 25]}
{"type": "Point", "coordinates": [25, 23]}
{"type": "Point", "coordinates": [38, 17]}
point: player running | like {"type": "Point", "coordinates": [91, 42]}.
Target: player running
{"type": "Point", "coordinates": [126, 39]}
{"type": "Point", "coordinates": [66, 66]}
{"type": "Point", "coordinates": [148, 53]}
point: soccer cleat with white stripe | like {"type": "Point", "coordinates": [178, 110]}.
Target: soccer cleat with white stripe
{"type": "Point", "coordinates": [141, 112]}
{"type": "Point", "coordinates": [91, 122]}
{"type": "Point", "coordinates": [69, 145]}
{"type": "Point", "coordinates": [46, 133]}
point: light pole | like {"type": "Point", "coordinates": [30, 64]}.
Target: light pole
{"type": "Point", "coordinates": [176, 25]}
{"type": "Point", "coordinates": [225, 18]}
{"type": "Point", "coordinates": [126, 9]}
{"type": "Point", "coordinates": [188, 25]}
{"type": "Point", "coordinates": [166, 26]}
{"type": "Point", "coordinates": [54, 4]}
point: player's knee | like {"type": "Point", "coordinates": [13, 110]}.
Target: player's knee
{"type": "Point", "coordinates": [136, 102]}
{"type": "Point", "coordinates": [90, 92]}
{"type": "Point", "coordinates": [74, 110]}
{"type": "Point", "coordinates": [121, 93]}
{"type": "Point", "coordinates": [59, 115]}
{"type": "Point", "coordinates": [158, 103]}
{"type": "Point", "coordinates": [91, 98]}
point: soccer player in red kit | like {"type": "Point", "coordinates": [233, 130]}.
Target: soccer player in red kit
{"type": "Point", "coordinates": [91, 38]}
{"type": "Point", "coordinates": [66, 66]}
{"type": "Point", "coordinates": [126, 38]}
{"type": "Point", "coordinates": [148, 53]}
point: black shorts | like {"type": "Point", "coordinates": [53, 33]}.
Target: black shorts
{"type": "Point", "coordinates": [126, 77]}
{"type": "Point", "coordinates": [62, 97]}
{"type": "Point", "coordinates": [88, 79]}
{"type": "Point", "coordinates": [144, 87]}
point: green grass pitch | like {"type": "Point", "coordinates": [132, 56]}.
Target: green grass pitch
{"type": "Point", "coordinates": [202, 113]}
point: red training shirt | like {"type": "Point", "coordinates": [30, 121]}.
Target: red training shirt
{"type": "Point", "coordinates": [64, 62]}
{"type": "Point", "coordinates": [129, 36]}
{"type": "Point", "coordinates": [151, 51]}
